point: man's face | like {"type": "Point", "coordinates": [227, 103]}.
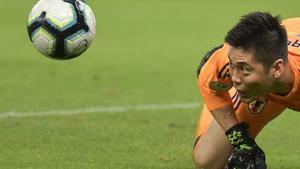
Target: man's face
{"type": "Point", "coordinates": [248, 76]}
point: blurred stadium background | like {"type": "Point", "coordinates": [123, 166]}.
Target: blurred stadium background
{"type": "Point", "coordinates": [130, 101]}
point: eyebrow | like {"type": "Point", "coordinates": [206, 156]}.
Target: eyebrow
{"type": "Point", "coordinates": [240, 63]}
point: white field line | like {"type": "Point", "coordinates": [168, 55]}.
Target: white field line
{"type": "Point", "coordinates": [100, 109]}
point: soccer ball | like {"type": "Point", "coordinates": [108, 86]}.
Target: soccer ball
{"type": "Point", "coordinates": [61, 29]}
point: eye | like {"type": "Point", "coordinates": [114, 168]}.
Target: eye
{"type": "Point", "coordinates": [244, 69]}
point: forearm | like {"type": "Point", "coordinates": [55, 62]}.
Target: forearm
{"type": "Point", "coordinates": [225, 116]}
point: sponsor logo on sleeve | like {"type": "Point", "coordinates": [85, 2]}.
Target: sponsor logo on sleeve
{"type": "Point", "coordinates": [219, 86]}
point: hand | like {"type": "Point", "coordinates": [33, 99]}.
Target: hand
{"type": "Point", "coordinates": [239, 161]}
{"type": "Point", "coordinates": [236, 161]}
{"type": "Point", "coordinates": [246, 153]}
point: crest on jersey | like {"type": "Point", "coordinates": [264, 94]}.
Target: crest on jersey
{"type": "Point", "coordinates": [257, 106]}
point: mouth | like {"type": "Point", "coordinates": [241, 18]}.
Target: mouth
{"type": "Point", "coordinates": [240, 91]}
{"type": "Point", "coordinates": [246, 98]}
{"type": "Point", "coordinates": [243, 94]}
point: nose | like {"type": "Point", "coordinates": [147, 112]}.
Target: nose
{"type": "Point", "coordinates": [235, 78]}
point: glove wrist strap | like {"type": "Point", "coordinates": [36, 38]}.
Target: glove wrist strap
{"type": "Point", "coordinates": [238, 134]}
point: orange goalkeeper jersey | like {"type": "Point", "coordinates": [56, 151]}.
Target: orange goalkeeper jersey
{"type": "Point", "coordinates": [214, 79]}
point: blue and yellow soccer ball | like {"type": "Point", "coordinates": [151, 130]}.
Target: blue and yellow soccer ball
{"type": "Point", "coordinates": [61, 29]}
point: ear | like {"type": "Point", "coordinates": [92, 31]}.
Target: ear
{"type": "Point", "coordinates": [278, 67]}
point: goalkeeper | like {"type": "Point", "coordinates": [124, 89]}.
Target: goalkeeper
{"type": "Point", "coordinates": [245, 83]}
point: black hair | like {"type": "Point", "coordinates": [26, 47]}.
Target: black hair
{"type": "Point", "coordinates": [262, 34]}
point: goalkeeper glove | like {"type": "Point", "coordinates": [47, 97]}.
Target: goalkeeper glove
{"type": "Point", "coordinates": [246, 153]}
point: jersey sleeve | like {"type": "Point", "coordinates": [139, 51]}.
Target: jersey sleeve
{"type": "Point", "coordinates": [214, 79]}
{"type": "Point", "coordinates": [292, 25]}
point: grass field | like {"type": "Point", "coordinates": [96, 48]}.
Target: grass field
{"type": "Point", "coordinates": [141, 63]}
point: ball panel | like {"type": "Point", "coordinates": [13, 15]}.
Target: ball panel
{"type": "Point", "coordinates": [64, 19]}
{"type": "Point", "coordinates": [77, 43]}
{"type": "Point", "coordinates": [43, 41]}
{"type": "Point", "coordinates": [90, 19]}
{"type": "Point", "coordinates": [41, 32]}
{"type": "Point", "coordinates": [36, 11]}
{"type": "Point", "coordinates": [44, 46]}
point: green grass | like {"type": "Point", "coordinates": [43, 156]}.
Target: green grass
{"type": "Point", "coordinates": [145, 52]}
{"type": "Point", "coordinates": [129, 140]}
